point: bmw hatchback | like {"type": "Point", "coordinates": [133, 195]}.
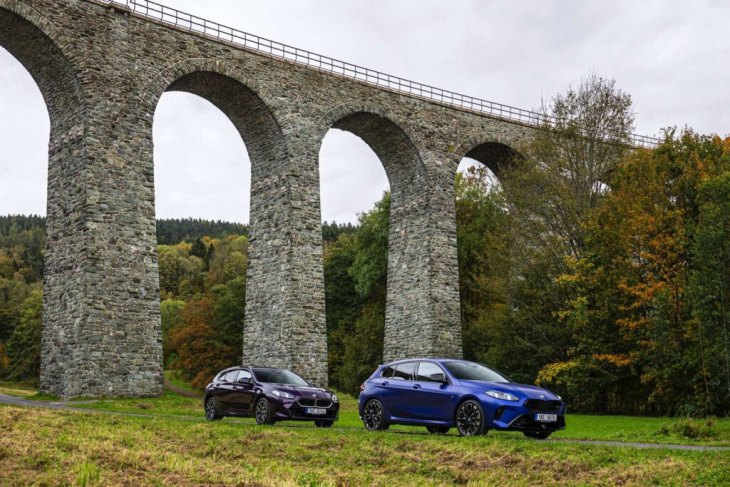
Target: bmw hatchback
{"type": "Point", "coordinates": [269, 395]}
{"type": "Point", "coordinates": [441, 394]}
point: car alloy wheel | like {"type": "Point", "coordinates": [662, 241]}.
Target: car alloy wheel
{"type": "Point", "coordinates": [470, 418]}
{"type": "Point", "coordinates": [211, 410]}
{"type": "Point", "coordinates": [537, 435]}
{"type": "Point", "coordinates": [323, 424]}
{"type": "Point", "coordinates": [263, 413]}
{"type": "Point", "coordinates": [373, 416]}
{"type": "Point", "coordinates": [438, 430]}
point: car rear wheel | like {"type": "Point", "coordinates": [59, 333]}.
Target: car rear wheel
{"type": "Point", "coordinates": [211, 410]}
{"type": "Point", "coordinates": [373, 416]}
{"type": "Point", "coordinates": [323, 424]}
{"type": "Point", "coordinates": [263, 412]}
{"type": "Point", "coordinates": [537, 435]}
{"type": "Point", "coordinates": [470, 418]}
{"type": "Point", "coordinates": [438, 430]}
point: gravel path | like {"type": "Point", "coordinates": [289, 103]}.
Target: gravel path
{"type": "Point", "coordinates": [67, 406]}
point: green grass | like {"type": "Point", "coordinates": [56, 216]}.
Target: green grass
{"type": "Point", "coordinates": [712, 432]}
{"type": "Point", "coordinates": [45, 447]}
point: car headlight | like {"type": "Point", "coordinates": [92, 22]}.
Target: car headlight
{"type": "Point", "coordinates": [502, 395]}
{"type": "Point", "coordinates": [559, 398]}
{"type": "Point", "coordinates": [283, 394]}
{"type": "Point", "coordinates": [334, 397]}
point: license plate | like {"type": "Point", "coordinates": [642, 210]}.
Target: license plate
{"type": "Point", "coordinates": [547, 418]}
{"type": "Point", "coordinates": [316, 411]}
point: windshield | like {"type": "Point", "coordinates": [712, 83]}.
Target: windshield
{"type": "Point", "coordinates": [279, 376]}
{"type": "Point", "coordinates": [472, 371]}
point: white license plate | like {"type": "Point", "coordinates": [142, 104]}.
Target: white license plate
{"type": "Point", "coordinates": [316, 411]}
{"type": "Point", "coordinates": [547, 418]}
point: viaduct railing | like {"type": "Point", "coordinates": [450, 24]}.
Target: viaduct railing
{"type": "Point", "coordinates": [192, 23]}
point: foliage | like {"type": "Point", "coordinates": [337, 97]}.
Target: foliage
{"type": "Point", "coordinates": [355, 289]}
{"type": "Point", "coordinates": [647, 309]}
{"type": "Point", "coordinates": [173, 231]}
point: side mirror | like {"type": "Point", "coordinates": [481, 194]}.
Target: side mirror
{"type": "Point", "coordinates": [244, 380]}
{"type": "Point", "coordinates": [439, 378]}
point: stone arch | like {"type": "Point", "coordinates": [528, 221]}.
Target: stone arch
{"type": "Point", "coordinates": [410, 316]}
{"type": "Point", "coordinates": [494, 152]}
{"type": "Point", "coordinates": [241, 98]}
{"type": "Point", "coordinates": [398, 147]}
{"type": "Point", "coordinates": [47, 55]}
{"type": "Point", "coordinates": [256, 117]}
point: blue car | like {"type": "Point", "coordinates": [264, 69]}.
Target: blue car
{"type": "Point", "coordinates": [441, 394]}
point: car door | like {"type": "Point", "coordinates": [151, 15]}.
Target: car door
{"type": "Point", "coordinates": [396, 391]}
{"type": "Point", "coordinates": [242, 396]}
{"type": "Point", "coordinates": [226, 390]}
{"type": "Point", "coordinates": [432, 398]}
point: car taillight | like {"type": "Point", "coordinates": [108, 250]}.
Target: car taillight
{"type": "Point", "coordinates": [362, 386]}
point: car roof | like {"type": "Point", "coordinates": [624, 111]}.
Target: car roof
{"type": "Point", "coordinates": [430, 359]}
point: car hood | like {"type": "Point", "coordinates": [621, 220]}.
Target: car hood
{"type": "Point", "coordinates": [523, 391]}
{"type": "Point", "coordinates": [302, 391]}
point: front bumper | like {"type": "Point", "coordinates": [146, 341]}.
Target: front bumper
{"type": "Point", "coordinates": [292, 410]}
{"type": "Point", "coordinates": [516, 416]}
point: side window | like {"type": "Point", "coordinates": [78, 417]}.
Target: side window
{"type": "Point", "coordinates": [231, 376]}
{"type": "Point", "coordinates": [388, 372]}
{"type": "Point", "coordinates": [429, 372]}
{"type": "Point", "coordinates": [244, 374]}
{"type": "Point", "coordinates": [405, 371]}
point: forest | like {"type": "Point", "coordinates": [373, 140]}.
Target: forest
{"type": "Point", "coordinates": [598, 270]}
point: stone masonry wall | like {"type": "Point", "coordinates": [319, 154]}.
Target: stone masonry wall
{"type": "Point", "coordinates": [102, 71]}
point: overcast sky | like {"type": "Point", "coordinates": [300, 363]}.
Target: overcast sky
{"type": "Point", "coordinates": [671, 56]}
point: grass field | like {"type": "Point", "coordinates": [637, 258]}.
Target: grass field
{"type": "Point", "coordinates": [46, 447]}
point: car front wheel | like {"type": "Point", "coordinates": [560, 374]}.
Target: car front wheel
{"type": "Point", "coordinates": [470, 418]}
{"type": "Point", "coordinates": [537, 435]}
{"type": "Point", "coordinates": [263, 412]}
{"type": "Point", "coordinates": [211, 410]}
{"type": "Point", "coordinates": [373, 416]}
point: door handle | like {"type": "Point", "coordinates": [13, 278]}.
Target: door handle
{"type": "Point", "coordinates": [416, 386]}
{"type": "Point", "coordinates": [385, 383]}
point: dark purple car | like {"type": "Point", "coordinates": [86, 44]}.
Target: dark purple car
{"type": "Point", "coordinates": [269, 395]}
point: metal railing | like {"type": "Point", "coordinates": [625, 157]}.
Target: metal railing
{"type": "Point", "coordinates": [192, 23]}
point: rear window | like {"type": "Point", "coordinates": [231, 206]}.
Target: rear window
{"type": "Point", "coordinates": [388, 371]}
{"type": "Point", "coordinates": [405, 371]}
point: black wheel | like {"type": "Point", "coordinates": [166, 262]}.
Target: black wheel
{"type": "Point", "coordinates": [373, 416]}
{"type": "Point", "coordinates": [537, 435]}
{"type": "Point", "coordinates": [438, 430]}
{"type": "Point", "coordinates": [470, 418]}
{"type": "Point", "coordinates": [263, 412]}
{"type": "Point", "coordinates": [211, 410]}
{"type": "Point", "coordinates": [323, 424]}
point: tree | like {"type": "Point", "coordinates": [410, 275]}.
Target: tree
{"type": "Point", "coordinates": [562, 174]}
{"type": "Point", "coordinates": [23, 348]}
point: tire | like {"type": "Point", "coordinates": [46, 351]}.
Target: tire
{"type": "Point", "coordinates": [373, 416]}
{"type": "Point", "coordinates": [262, 412]}
{"type": "Point", "coordinates": [211, 410]}
{"type": "Point", "coordinates": [537, 435]}
{"type": "Point", "coordinates": [323, 424]}
{"type": "Point", "coordinates": [438, 430]}
{"type": "Point", "coordinates": [470, 418]}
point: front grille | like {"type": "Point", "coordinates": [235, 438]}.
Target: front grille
{"type": "Point", "coordinates": [312, 402]}
{"type": "Point", "coordinates": [537, 406]}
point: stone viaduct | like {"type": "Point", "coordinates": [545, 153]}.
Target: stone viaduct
{"type": "Point", "coordinates": [102, 67]}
